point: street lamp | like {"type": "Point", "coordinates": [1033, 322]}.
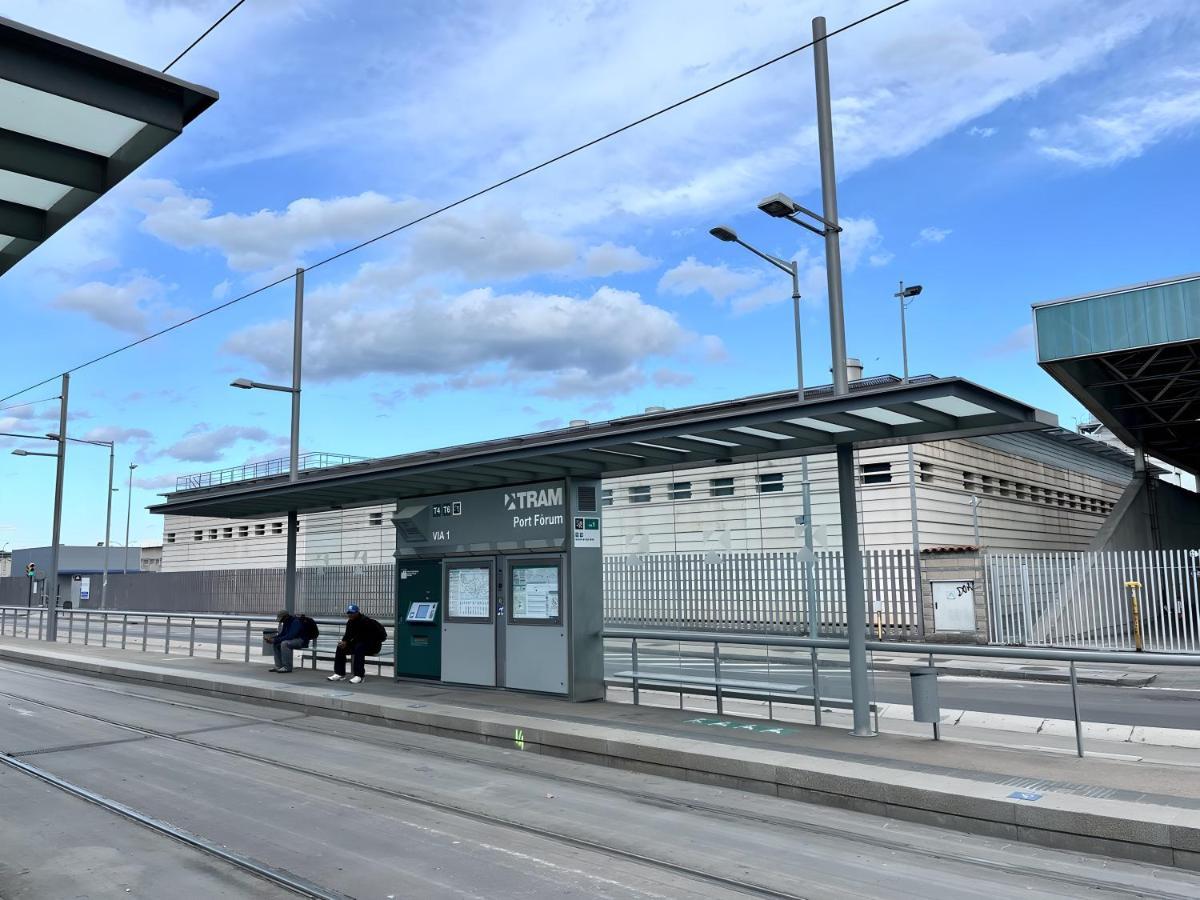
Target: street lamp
{"type": "Point", "coordinates": [781, 206]}
{"type": "Point", "coordinates": [246, 384]}
{"type": "Point", "coordinates": [128, 512]}
{"type": "Point", "coordinates": [905, 294]}
{"type": "Point", "coordinates": [727, 234]}
{"type": "Point", "coordinates": [107, 511]}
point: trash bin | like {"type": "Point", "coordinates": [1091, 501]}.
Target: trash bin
{"type": "Point", "coordinates": [925, 704]}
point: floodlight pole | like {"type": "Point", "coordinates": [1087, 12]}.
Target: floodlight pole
{"type": "Point", "coordinates": [856, 604]}
{"type": "Point", "coordinates": [293, 522]}
{"type": "Point", "coordinates": [56, 529]}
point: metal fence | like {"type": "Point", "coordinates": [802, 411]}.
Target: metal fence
{"type": "Point", "coordinates": [320, 590]}
{"type": "Point", "coordinates": [757, 592]}
{"type": "Point", "coordinates": [1083, 599]}
{"type": "Point", "coordinates": [265, 468]}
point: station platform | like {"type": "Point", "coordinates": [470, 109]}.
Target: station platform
{"type": "Point", "coordinates": [1144, 808]}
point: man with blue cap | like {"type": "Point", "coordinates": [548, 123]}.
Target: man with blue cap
{"type": "Point", "coordinates": [364, 637]}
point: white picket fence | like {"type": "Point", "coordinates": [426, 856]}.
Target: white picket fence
{"type": "Point", "coordinates": [756, 591]}
{"type": "Point", "coordinates": [1082, 599]}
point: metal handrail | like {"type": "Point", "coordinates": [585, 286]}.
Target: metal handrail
{"type": "Point", "coordinates": [266, 468]}
{"type": "Point", "coordinates": [815, 645]}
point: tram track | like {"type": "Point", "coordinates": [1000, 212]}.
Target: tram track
{"type": "Point", "coordinates": [575, 841]}
{"type": "Point", "coordinates": [639, 796]}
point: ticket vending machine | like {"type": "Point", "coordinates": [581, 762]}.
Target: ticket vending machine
{"type": "Point", "coordinates": [520, 588]}
{"type": "Point", "coordinates": [419, 619]}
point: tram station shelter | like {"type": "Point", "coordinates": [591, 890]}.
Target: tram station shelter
{"type": "Point", "coordinates": [73, 123]}
{"type": "Point", "coordinates": [498, 557]}
{"type": "Point", "coordinates": [1131, 356]}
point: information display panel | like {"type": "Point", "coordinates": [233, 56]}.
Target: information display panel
{"type": "Point", "coordinates": [536, 591]}
{"type": "Point", "coordinates": [422, 612]}
{"type": "Point", "coordinates": [469, 593]}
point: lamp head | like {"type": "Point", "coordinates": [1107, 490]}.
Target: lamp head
{"type": "Point", "coordinates": [779, 206]}
{"type": "Point", "coordinates": [20, 453]}
{"type": "Point", "coordinates": [52, 436]}
{"type": "Point", "coordinates": [723, 233]}
{"type": "Point", "coordinates": [911, 291]}
{"type": "Point", "coordinates": [244, 383]}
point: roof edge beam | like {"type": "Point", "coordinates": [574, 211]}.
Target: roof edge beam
{"type": "Point", "coordinates": [57, 163]}
{"type": "Point", "coordinates": [20, 221]}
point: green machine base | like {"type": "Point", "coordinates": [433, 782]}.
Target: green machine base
{"type": "Point", "coordinates": [419, 619]}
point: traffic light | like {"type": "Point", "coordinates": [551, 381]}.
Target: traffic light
{"type": "Point", "coordinates": [31, 570]}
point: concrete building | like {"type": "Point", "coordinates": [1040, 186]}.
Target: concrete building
{"type": "Point", "coordinates": [150, 558]}
{"type": "Point", "coordinates": [1041, 490]}
{"type": "Point", "coordinates": [5, 563]}
{"type": "Point", "coordinates": [79, 569]}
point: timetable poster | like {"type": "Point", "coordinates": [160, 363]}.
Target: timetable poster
{"type": "Point", "coordinates": [469, 593]}
{"type": "Point", "coordinates": [535, 592]}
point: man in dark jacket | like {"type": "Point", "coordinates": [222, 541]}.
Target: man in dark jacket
{"type": "Point", "coordinates": [364, 637]}
{"type": "Point", "coordinates": [288, 636]}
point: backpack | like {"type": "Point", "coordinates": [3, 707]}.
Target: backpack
{"type": "Point", "coordinates": [308, 629]}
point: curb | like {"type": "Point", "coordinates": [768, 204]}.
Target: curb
{"type": "Point", "coordinates": [1150, 833]}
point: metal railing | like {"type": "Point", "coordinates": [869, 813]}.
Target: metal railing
{"type": "Point", "coordinates": [815, 645]}
{"type": "Point", "coordinates": [263, 469]}
{"type": "Point", "coordinates": [149, 632]}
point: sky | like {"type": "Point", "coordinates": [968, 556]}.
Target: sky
{"type": "Point", "coordinates": [1000, 154]}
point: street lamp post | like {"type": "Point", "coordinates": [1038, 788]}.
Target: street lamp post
{"type": "Point", "coordinates": [780, 206]}
{"type": "Point", "coordinates": [107, 511]}
{"type": "Point", "coordinates": [289, 600]}
{"type": "Point", "coordinates": [128, 514]}
{"type": "Point", "coordinates": [724, 233]}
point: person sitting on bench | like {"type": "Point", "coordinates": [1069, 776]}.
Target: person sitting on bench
{"type": "Point", "coordinates": [288, 637]}
{"type": "Point", "coordinates": [364, 637]}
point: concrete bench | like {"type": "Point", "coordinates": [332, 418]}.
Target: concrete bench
{"type": "Point", "coordinates": [326, 648]}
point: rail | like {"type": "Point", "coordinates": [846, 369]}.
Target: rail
{"type": "Point", "coordinates": [266, 468]}
{"type": "Point", "coordinates": [815, 645]}
{"type": "Point", "coordinates": [205, 634]}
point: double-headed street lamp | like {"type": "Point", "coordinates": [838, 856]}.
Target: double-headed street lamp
{"type": "Point", "coordinates": [294, 468]}
{"type": "Point", "coordinates": [108, 503]}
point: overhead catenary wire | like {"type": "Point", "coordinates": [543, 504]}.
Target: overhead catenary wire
{"type": "Point", "coordinates": [31, 403]}
{"type": "Point", "coordinates": [207, 32]}
{"type": "Point", "coordinates": [466, 199]}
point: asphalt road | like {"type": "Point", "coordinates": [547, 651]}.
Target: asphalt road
{"type": "Point", "coordinates": [367, 811]}
{"type": "Point", "coordinates": [1098, 703]}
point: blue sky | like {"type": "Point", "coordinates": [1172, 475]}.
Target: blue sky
{"type": "Point", "coordinates": [1000, 154]}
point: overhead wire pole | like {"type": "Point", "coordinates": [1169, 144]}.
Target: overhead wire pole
{"type": "Point", "coordinates": [856, 603]}
{"type": "Point", "coordinates": [293, 526]}
{"type": "Point", "coordinates": [56, 530]}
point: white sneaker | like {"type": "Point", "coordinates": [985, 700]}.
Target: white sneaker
{"type": "Point", "coordinates": [336, 678]}
{"type": "Point", "coordinates": [357, 679]}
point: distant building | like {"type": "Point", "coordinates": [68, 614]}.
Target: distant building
{"type": "Point", "coordinates": [5, 563]}
{"type": "Point", "coordinates": [1044, 490]}
{"type": "Point", "coordinates": [79, 570]}
{"type": "Point", "coordinates": [151, 558]}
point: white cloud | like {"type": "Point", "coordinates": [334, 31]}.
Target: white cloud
{"type": "Point", "coordinates": [861, 239]}
{"type": "Point", "coordinates": [719, 282]}
{"type": "Point", "coordinates": [558, 344]}
{"type": "Point", "coordinates": [125, 307]}
{"type": "Point", "coordinates": [156, 482]}
{"type": "Point", "coordinates": [206, 444]}
{"type": "Point", "coordinates": [932, 235]}
{"type": "Point", "coordinates": [118, 435]}
{"type": "Point", "coordinates": [609, 259]}
{"type": "Point", "coordinates": [270, 239]}
{"type": "Point", "coordinates": [1125, 128]}
{"type": "Point", "coordinates": [1016, 341]}
{"type": "Point", "coordinates": [493, 245]}
{"type": "Point", "coordinates": [981, 132]}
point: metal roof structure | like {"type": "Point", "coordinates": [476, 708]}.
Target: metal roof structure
{"type": "Point", "coordinates": [1131, 356]}
{"type": "Point", "coordinates": [877, 412]}
{"type": "Point", "coordinates": [73, 123]}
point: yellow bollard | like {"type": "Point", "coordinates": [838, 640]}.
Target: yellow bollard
{"type": "Point", "coordinates": [1137, 613]}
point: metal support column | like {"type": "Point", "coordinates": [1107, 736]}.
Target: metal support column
{"type": "Point", "coordinates": [833, 247]}
{"type": "Point", "coordinates": [56, 530]}
{"type": "Point", "coordinates": [107, 527]}
{"type": "Point", "coordinates": [856, 602]}
{"type": "Point", "coordinates": [293, 523]}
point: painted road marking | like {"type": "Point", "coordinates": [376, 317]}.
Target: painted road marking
{"type": "Point", "coordinates": [739, 726]}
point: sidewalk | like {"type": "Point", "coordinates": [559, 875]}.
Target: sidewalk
{"type": "Point", "coordinates": [1147, 810]}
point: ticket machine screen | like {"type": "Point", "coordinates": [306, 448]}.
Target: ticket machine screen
{"type": "Point", "coordinates": [422, 612]}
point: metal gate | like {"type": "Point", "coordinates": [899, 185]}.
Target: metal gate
{"type": "Point", "coordinates": [1086, 599]}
